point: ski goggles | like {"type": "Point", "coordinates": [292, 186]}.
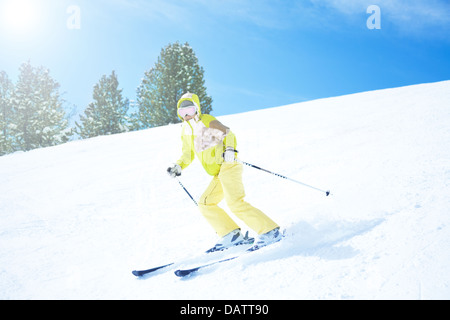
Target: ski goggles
{"type": "Point", "coordinates": [187, 111]}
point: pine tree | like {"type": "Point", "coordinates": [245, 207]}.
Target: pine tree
{"type": "Point", "coordinates": [6, 113]}
{"type": "Point", "coordinates": [176, 72]}
{"type": "Point", "coordinates": [108, 113]}
{"type": "Point", "coordinates": [39, 118]}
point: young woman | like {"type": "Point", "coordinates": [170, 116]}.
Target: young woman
{"type": "Point", "coordinates": [215, 146]}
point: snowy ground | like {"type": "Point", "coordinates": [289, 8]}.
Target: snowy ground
{"type": "Point", "coordinates": [76, 219]}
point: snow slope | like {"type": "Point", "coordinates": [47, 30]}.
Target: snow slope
{"type": "Point", "coordinates": [77, 218]}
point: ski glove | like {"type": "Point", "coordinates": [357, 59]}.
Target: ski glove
{"type": "Point", "coordinates": [174, 171]}
{"type": "Point", "coordinates": [229, 155]}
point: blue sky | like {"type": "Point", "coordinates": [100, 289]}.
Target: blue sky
{"type": "Point", "coordinates": [256, 53]}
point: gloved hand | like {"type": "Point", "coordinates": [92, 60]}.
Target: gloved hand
{"type": "Point", "coordinates": [229, 155]}
{"type": "Point", "coordinates": [174, 171]}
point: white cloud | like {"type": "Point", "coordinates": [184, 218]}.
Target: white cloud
{"type": "Point", "coordinates": [166, 10]}
{"type": "Point", "coordinates": [405, 16]}
{"type": "Point", "coordinates": [408, 16]}
{"type": "Point", "coordinates": [263, 13]}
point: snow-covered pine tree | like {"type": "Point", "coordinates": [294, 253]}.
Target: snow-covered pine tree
{"type": "Point", "coordinates": [39, 119]}
{"type": "Point", "coordinates": [176, 72]}
{"type": "Point", "coordinates": [6, 90]}
{"type": "Point", "coordinates": [108, 113]}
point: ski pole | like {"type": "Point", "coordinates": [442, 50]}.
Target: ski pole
{"type": "Point", "coordinates": [186, 191]}
{"type": "Point", "coordinates": [327, 193]}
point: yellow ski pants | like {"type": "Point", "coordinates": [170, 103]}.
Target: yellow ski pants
{"type": "Point", "coordinates": [228, 184]}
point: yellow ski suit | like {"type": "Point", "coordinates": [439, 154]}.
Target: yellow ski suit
{"type": "Point", "coordinates": [202, 136]}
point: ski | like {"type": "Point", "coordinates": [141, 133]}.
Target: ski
{"type": "Point", "coordinates": [185, 272]}
{"type": "Point", "coordinates": [140, 273]}
{"type": "Point", "coordinates": [210, 252]}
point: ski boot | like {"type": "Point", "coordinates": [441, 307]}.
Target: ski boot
{"type": "Point", "coordinates": [234, 238]}
{"type": "Point", "coordinates": [267, 238]}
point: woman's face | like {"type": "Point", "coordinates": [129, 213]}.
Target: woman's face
{"type": "Point", "coordinates": [187, 117]}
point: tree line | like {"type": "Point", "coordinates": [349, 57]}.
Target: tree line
{"type": "Point", "coordinates": [32, 113]}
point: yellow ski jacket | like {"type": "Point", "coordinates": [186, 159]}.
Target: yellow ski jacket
{"type": "Point", "coordinates": [205, 137]}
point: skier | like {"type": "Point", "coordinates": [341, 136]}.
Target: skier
{"type": "Point", "coordinates": [215, 146]}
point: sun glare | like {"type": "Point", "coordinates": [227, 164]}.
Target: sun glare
{"type": "Point", "coordinates": [20, 16]}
